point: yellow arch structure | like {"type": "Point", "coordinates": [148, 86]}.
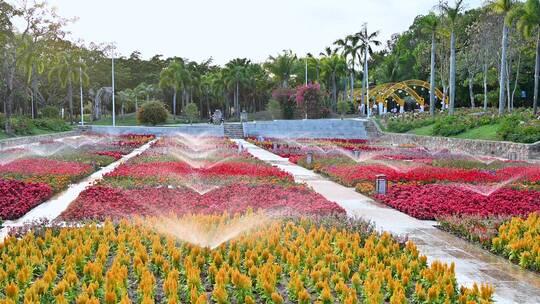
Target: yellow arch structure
{"type": "Point", "coordinates": [382, 92]}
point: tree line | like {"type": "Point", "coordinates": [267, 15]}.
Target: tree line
{"type": "Point", "coordinates": [487, 55]}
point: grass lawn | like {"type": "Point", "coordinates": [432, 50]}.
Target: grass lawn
{"type": "Point", "coordinates": [426, 131]}
{"type": "Point", "coordinates": [487, 132]}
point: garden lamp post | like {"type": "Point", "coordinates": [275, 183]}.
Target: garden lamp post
{"type": "Point", "coordinates": [309, 158]}
{"type": "Point", "coordinates": [113, 110]}
{"type": "Point", "coordinates": [81, 91]}
{"type": "Point", "coordinates": [381, 184]}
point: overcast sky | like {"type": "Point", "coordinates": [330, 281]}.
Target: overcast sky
{"type": "Point", "coordinates": [225, 30]}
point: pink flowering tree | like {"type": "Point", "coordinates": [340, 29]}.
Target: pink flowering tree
{"type": "Point", "coordinates": [309, 99]}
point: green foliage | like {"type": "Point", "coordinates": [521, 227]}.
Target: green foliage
{"type": "Point", "coordinates": [405, 123]}
{"type": "Point", "coordinates": [274, 108]}
{"type": "Point", "coordinates": [22, 125]}
{"type": "Point", "coordinates": [517, 128]}
{"type": "Point", "coordinates": [448, 126]}
{"type": "Point", "coordinates": [343, 107]}
{"type": "Point", "coordinates": [152, 113]}
{"type": "Point", "coordinates": [192, 112]}
{"type": "Point", "coordinates": [51, 124]}
{"type": "Point", "coordinates": [50, 112]}
{"type": "Point", "coordinates": [2, 120]}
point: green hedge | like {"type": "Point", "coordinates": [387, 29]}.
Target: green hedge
{"type": "Point", "coordinates": [520, 128]}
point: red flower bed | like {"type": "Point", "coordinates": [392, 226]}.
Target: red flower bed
{"type": "Point", "coordinates": [175, 168]}
{"type": "Point", "coordinates": [353, 174]}
{"type": "Point", "coordinates": [433, 201]}
{"type": "Point", "coordinates": [17, 198]}
{"type": "Point", "coordinates": [101, 202]}
{"type": "Point", "coordinates": [42, 166]}
{"type": "Point", "coordinates": [113, 154]}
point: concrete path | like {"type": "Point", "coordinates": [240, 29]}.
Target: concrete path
{"type": "Point", "coordinates": [52, 208]}
{"type": "Point", "coordinates": [473, 264]}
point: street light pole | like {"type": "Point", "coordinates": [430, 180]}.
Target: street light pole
{"type": "Point", "coordinates": [113, 110]}
{"type": "Point", "coordinates": [81, 91]}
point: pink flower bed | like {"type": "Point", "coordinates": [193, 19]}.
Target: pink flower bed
{"type": "Point", "coordinates": [18, 197]}
{"type": "Point", "coordinates": [101, 202]}
{"type": "Point", "coordinates": [41, 166]}
{"type": "Point", "coordinates": [433, 201]}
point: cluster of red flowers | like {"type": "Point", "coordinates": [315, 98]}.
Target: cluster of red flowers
{"type": "Point", "coordinates": [101, 202]}
{"type": "Point", "coordinates": [433, 201]}
{"type": "Point", "coordinates": [207, 169]}
{"type": "Point", "coordinates": [134, 140]}
{"type": "Point", "coordinates": [114, 154]}
{"type": "Point", "coordinates": [17, 198]}
{"type": "Point", "coordinates": [352, 174]}
{"type": "Point", "coordinates": [41, 166]}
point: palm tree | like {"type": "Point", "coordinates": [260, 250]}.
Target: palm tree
{"type": "Point", "coordinates": [350, 47]}
{"type": "Point", "coordinates": [528, 20]}
{"type": "Point", "coordinates": [282, 67]}
{"type": "Point", "coordinates": [235, 74]}
{"type": "Point", "coordinates": [67, 68]}
{"type": "Point", "coordinates": [452, 13]}
{"type": "Point", "coordinates": [333, 66]}
{"type": "Point", "coordinates": [431, 23]}
{"type": "Point", "coordinates": [174, 76]}
{"type": "Point", "coordinates": [503, 7]}
{"type": "Point", "coordinates": [368, 40]}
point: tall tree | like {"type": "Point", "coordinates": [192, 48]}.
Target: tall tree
{"type": "Point", "coordinates": [174, 76]}
{"type": "Point", "coordinates": [350, 48]}
{"type": "Point", "coordinates": [431, 23]}
{"type": "Point", "coordinates": [68, 69]}
{"type": "Point", "coordinates": [452, 13]}
{"type": "Point", "coordinates": [235, 74]}
{"type": "Point", "coordinates": [368, 40]}
{"type": "Point", "coordinates": [528, 22]}
{"type": "Point", "coordinates": [333, 67]}
{"type": "Point", "coordinates": [282, 67]}
{"type": "Point", "coordinates": [503, 7]}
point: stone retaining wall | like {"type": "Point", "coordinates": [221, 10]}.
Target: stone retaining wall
{"type": "Point", "coordinates": [475, 147]}
{"type": "Point", "coordinates": [10, 142]}
{"type": "Point", "coordinates": [310, 128]}
{"type": "Point", "coordinates": [195, 129]}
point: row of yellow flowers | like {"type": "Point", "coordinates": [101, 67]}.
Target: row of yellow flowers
{"type": "Point", "coordinates": [519, 240]}
{"type": "Point", "coordinates": [285, 261]}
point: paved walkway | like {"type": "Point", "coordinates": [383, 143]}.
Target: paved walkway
{"type": "Point", "coordinates": [52, 208]}
{"type": "Point", "coordinates": [473, 264]}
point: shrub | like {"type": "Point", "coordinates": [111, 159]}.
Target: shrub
{"type": "Point", "coordinates": [448, 126]}
{"type": "Point", "coordinates": [274, 108]}
{"type": "Point", "coordinates": [343, 107]}
{"type": "Point", "coordinates": [52, 124]}
{"type": "Point", "coordinates": [2, 120]}
{"type": "Point", "coordinates": [50, 112]}
{"type": "Point", "coordinates": [516, 128]}
{"type": "Point", "coordinates": [152, 113]}
{"type": "Point", "coordinates": [286, 100]}
{"type": "Point", "coordinates": [192, 112]}
{"type": "Point", "coordinates": [309, 99]}
{"type": "Point", "coordinates": [406, 122]}
{"type": "Point", "coordinates": [22, 125]}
